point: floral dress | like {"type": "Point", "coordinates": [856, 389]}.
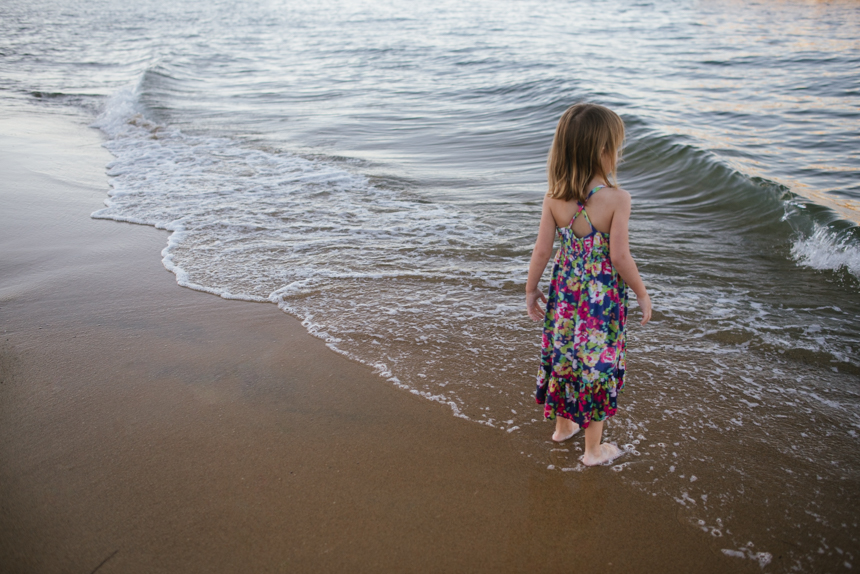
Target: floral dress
{"type": "Point", "coordinates": [583, 350]}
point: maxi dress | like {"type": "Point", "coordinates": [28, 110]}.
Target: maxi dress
{"type": "Point", "coordinates": [583, 348]}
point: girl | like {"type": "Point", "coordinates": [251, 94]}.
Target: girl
{"type": "Point", "coordinates": [583, 348]}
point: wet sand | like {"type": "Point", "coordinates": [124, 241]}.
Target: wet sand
{"type": "Point", "coordinates": [149, 428]}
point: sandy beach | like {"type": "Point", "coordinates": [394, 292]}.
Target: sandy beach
{"type": "Point", "coordinates": [145, 427]}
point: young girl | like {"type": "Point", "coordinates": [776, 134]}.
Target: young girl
{"type": "Point", "coordinates": [583, 348]}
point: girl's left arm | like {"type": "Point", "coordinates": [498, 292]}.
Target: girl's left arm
{"type": "Point", "coordinates": [540, 257]}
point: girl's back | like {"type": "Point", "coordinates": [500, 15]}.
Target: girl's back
{"type": "Point", "coordinates": [600, 208]}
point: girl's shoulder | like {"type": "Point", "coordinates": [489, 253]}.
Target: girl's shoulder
{"type": "Point", "coordinates": [607, 196]}
{"type": "Point", "coordinates": [611, 199]}
{"type": "Point", "coordinates": [615, 193]}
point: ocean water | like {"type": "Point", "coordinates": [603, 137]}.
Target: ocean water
{"type": "Point", "coordinates": [376, 169]}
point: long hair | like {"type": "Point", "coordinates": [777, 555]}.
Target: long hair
{"type": "Point", "coordinates": [584, 133]}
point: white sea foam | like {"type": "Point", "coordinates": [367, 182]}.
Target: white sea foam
{"type": "Point", "coordinates": [763, 558]}
{"type": "Point", "coordinates": [824, 249]}
{"type": "Point", "coordinates": [370, 270]}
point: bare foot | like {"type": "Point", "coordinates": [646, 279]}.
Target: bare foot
{"type": "Point", "coordinates": [607, 453]}
{"type": "Point", "coordinates": [564, 429]}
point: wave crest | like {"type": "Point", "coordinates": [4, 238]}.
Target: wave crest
{"type": "Point", "coordinates": [825, 249]}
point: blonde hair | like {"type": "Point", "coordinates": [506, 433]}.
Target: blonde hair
{"type": "Point", "coordinates": [584, 133]}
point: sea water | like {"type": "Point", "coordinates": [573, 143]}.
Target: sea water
{"type": "Point", "coordinates": [376, 169]}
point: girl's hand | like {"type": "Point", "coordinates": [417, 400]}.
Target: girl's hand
{"type": "Point", "coordinates": [645, 305]}
{"type": "Point", "coordinates": [536, 313]}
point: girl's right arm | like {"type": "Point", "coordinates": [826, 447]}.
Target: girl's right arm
{"type": "Point", "coordinates": [619, 253]}
{"type": "Point", "coordinates": [540, 257]}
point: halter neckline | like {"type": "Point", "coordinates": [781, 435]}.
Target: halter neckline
{"type": "Point", "coordinates": [585, 213]}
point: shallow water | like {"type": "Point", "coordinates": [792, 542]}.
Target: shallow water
{"type": "Point", "coordinates": [376, 169]}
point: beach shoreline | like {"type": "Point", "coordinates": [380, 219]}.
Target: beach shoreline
{"type": "Point", "coordinates": [150, 428]}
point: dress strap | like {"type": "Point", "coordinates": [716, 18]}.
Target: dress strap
{"type": "Point", "coordinates": [588, 219]}
{"type": "Point", "coordinates": [582, 208]}
{"type": "Point", "coordinates": [593, 191]}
